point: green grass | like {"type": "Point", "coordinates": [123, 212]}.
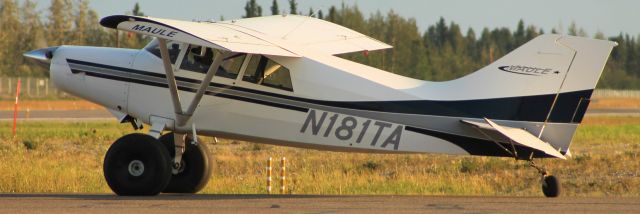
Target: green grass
{"type": "Point", "coordinates": [66, 157]}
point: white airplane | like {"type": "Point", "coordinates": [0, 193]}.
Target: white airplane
{"type": "Point", "coordinates": [276, 80]}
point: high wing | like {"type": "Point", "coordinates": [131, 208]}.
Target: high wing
{"type": "Point", "coordinates": [311, 33]}
{"type": "Point", "coordinates": [518, 136]}
{"type": "Point", "coordinates": [198, 33]}
{"type": "Point", "coordinates": [272, 35]}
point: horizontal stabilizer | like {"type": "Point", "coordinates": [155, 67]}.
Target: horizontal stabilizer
{"type": "Point", "coordinates": [518, 136]}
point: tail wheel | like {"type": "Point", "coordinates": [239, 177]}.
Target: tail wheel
{"type": "Point", "coordinates": [550, 186]}
{"type": "Point", "coordinates": [137, 164]}
{"type": "Point", "coordinates": [195, 169]}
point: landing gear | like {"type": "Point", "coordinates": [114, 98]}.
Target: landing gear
{"type": "Point", "coordinates": [193, 171]}
{"type": "Point", "coordinates": [137, 164]}
{"type": "Point", "coordinates": [550, 184]}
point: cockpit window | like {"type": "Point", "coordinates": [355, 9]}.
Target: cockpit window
{"type": "Point", "coordinates": [174, 49]}
{"type": "Point", "coordinates": [197, 59]}
{"type": "Point", "coordinates": [231, 66]}
{"type": "Point", "coordinates": [264, 71]}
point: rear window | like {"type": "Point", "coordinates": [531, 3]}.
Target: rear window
{"type": "Point", "coordinates": [264, 71]}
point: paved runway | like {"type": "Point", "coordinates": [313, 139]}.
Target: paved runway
{"type": "Point", "coordinates": [66, 203]}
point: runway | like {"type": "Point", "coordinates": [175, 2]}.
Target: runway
{"type": "Point", "coordinates": [68, 203]}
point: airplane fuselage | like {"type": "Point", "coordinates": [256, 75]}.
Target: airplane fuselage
{"type": "Point", "coordinates": [377, 116]}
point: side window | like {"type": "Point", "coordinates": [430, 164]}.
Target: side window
{"type": "Point", "coordinates": [231, 66]}
{"type": "Point", "coordinates": [174, 49]}
{"type": "Point", "coordinates": [264, 71]}
{"type": "Point", "coordinates": [197, 59]}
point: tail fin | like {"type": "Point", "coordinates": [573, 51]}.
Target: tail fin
{"type": "Point", "coordinates": [558, 70]}
{"type": "Point", "coordinates": [553, 74]}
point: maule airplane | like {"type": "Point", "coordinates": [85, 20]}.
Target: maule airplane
{"type": "Point", "coordinates": [277, 80]}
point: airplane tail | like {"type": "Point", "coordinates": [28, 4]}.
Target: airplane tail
{"type": "Point", "coordinates": [547, 81]}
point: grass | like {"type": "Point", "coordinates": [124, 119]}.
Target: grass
{"type": "Point", "coordinates": [67, 157]}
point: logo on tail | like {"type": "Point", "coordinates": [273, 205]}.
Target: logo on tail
{"type": "Point", "coordinates": [527, 70]}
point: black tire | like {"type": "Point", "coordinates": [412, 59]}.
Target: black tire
{"type": "Point", "coordinates": [122, 166]}
{"type": "Point", "coordinates": [196, 167]}
{"type": "Point", "coordinates": [551, 186]}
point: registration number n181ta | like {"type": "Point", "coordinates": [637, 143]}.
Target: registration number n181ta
{"type": "Point", "coordinates": [353, 129]}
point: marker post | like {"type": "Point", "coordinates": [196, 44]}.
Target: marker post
{"type": "Point", "coordinates": [15, 110]}
{"type": "Point", "coordinates": [269, 161]}
{"type": "Point", "coordinates": [283, 173]}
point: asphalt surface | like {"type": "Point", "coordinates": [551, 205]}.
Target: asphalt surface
{"type": "Point", "coordinates": [64, 203]}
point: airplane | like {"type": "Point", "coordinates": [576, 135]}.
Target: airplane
{"type": "Point", "coordinates": [278, 80]}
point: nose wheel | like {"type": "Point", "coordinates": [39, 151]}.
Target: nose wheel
{"type": "Point", "coordinates": [137, 164]}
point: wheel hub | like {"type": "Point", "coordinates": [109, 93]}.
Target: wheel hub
{"type": "Point", "coordinates": [136, 168]}
{"type": "Point", "coordinates": [178, 168]}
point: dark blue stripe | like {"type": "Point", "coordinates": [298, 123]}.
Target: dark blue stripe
{"type": "Point", "coordinates": [525, 108]}
{"type": "Point", "coordinates": [182, 88]}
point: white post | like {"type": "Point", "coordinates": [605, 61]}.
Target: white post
{"type": "Point", "coordinates": [38, 87]}
{"type": "Point", "coordinates": [269, 170]}
{"type": "Point", "coordinates": [46, 87]}
{"type": "Point", "coordinates": [29, 86]}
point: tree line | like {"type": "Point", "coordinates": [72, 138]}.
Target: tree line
{"type": "Point", "coordinates": [442, 52]}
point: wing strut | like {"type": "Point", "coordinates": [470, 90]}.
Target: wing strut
{"type": "Point", "coordinates": [171, 79]}
{"type": "Point", "coordinates": [183, 116]}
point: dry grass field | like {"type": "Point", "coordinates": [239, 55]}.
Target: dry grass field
{"type": "Point", "coordinates": [66, 157]}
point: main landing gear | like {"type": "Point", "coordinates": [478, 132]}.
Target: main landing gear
{"type": "Point", "coordinates": [550, 184]}
{"type": "Point", "coordinates": [138, 164]}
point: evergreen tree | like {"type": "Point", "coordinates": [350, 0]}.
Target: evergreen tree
{"type": "Point", "coordinates": [133, 40]}
{"type": "Point", "coordinates": [136, 10]}
{"type": "Point", "coordinates": [573, 29]}
{"type": "Point", "coordinates": [333, 14]}
{"type": "Point", "coordinates": [252, 9]}
{"type": "Point", "coordinates": [81, 22]}
{"type": "Point", "coordinates": [293, 7]}
{"type": "Point", "coordinates": [274, 8]}
{"type": "Point", "coordinates": [59, 22]}
{"type": "Point", "coordinates": [519, 35]}
{"type": "Point", "coordinates": [9, 37]}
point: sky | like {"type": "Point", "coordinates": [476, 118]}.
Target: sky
{"type": "Point", "coordinates": [608, 16]}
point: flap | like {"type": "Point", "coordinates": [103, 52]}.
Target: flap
{"type": "Point", "coordinates": [518, 136]}
{"type": "Point", "coordinates": [199, 33]}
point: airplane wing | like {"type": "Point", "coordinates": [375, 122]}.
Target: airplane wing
{"type": "Point", "coordinates": [312, 33]}
{"type": "Point", "coordinates": [199, 33]}
{"type": "Point", "coordinates": [271, 35]}
{"type": "Point", "coordinates": [518, 136]}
